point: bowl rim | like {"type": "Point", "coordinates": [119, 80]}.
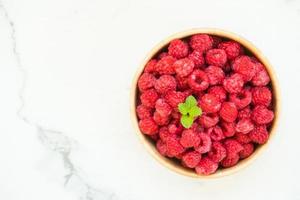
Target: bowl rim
{"type": "Point", "coordinates": [276, 98]}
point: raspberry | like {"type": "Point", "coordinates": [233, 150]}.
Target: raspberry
{"type": "Point", "coordinates": [175, 128]}
{"type": "Point", "coordinates": [149, 97]}
{"type": "Point", "coordinates": [234, 83]}
{"type": "Point", "coordinates": [259, 135]}
{"type": "Point", "coordinates": [176, 114]}
{"type": "Point", "coordinates": [154, 137]}
{"type": "Point", "coordinates": [164, 134]}
{"type": "Point", "coordinates": [160, 119]}
{"type": "Point", "coordinates": [191, 159]}
{"type": "Point", "coordinates": [241, 99]}
{"type": "Point", "coordinates": [182, 83]}
{"type": "Point", "coordinates": [244, 126]}
{"type": "Point", "coordinates": [201, 42]}
{"type": "Point", "coordinates": [143, 112]}
{"type": "Point", "coordinates": [197, 58]}
{"type": "Point", "coordinates": [232, 49]}
{"type": "Point", "coordinates": [228, 128]}
{"type": "Point", "coordinates": [161, 147]}
{"type": "Point", "coordinates": [216, 57]}
{"type": "Point", "coordinates": [206, 166]}
{"type": "Point", "coordinates": [163, 108]}
{"type": "Point", "coordinates": [218, 152]}
{"type": "Point", "coordinates": [208, 120]}
{"type": "Point", "coordinates": [261, 96]}
{"type": "Point", "coordinates": [216, 41]}
{"type": "Point", "coordinates": [205, 143]}
{"type": "Point", "coordinates": [173, 98]}
{"type": "Point", "coordinates": [244, 66]}
{"type": "Point", "coordinates": [148, 126]}
{"type": "Point", "coordinates": [247, 151]}
{"type": "Point", "coordinates": [242, 138]}
{"type": "Point", "coordinates": [189, 138]}
{"type": "Point", "coordinates": [165, 65]}
{"type": "Point", "coordinates": [174, 147]}
{"type": "Point", "coordinates": [165, 83]}
{"type": "Point", "coordinates": [146, 81]}
{"type": "Point", "coordinates": [230, 161]}
{"type": "Point", "coordinates": [228, 112]}
{"type": "Point", "coordinates": [219, 92]}
{"type": "Point", "coordinates": [233, 147]}
{"type": "Point", "coordinates": [198, 80]}
{"type": "Point", "coordinates": [178, 49]}
{"type": "Point", "coordinates": [215, 75]}
{"type": "Point", "coordinates": [162, 55]}
{"type": "Point", "coordinates": [150, 66]}
{"type": "Point", "coordinates": [210, 103]}
{"type": "Point", "coordinates": [245, 113]}
{"type": "Point", "coordinates": [261, 77]}
{"type": "Point", "coordinates": [216, 133]}
{"type": "Point", "coordinates": [183, 67]}
{"type": "Point", "coordinates": [261, 115]}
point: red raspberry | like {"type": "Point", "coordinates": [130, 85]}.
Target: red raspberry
{"type": "Point", "coordinates": [216, 133]}
{"type": "Point", "coordinates": [148, 126]}
{"type": "Point", "coordinates": [164, 134]}
{"type": "Point", "coordinates": [219, 92]}
{"type": "Point", "coordinates": [261, 96]}
{"type": "Point", "coordinates": [244, 126]}
{"type": "Point", "coordinates": [241, 99]}
{"type": "Point", "coordinates": [146, 81]}
{"type": "Point", "coordinates": [191, 159]}
{"type": "Point", "coordinates": [198, 80]}
{"type": "Point", "coordinates": [173, 98]}
{"type": "Point", "coordinates": [216, 41]}
{"type": "Point", "coordinates": [175, 128]}
{"type": "Point", "coordinates": [143, 112]}
{"type": "Point", "coordinates": [230, 161]}
{"type": "Point", "coordinates": [165, 83]}
{"type": "Point", "coordinates": [234, 83]}
{"type": "Point", "coordinates": [161, 147]}
{"type": "Point", "coordinates": [206, 166]}
{"type": "Point", "coordinates": [160, 119]}
{"type": "Point", "coordinates": [149, 97]}
{"type": "Point", "coordinates": [217, 153]}
{"type": "Point", "coordinates": [176, 114]}
{"type": "Point", "coordinates": [242, 138]}
{"type": "Point", "coordinates": [189, 138]}
{"type": "Point", "coordinates": [162, 55]}
{"type": "Point", "coordinates": [247, 151]}
{"type": "Point", "coordinates": [182, 83]}
{"type": "Point", "coordinates": [259, 135]}
{"type": "Point", "coordinates": [165, 65]}
{"type": "Point", "coordinates": [178, 48]}
{"type": "Point", "coordinates": [210, 103]}
{"type": "Point", "coordinates": [205, 143]}
{"type": "Point", "coordinates": [216, 57]}
{"type": "Point", "coordinates": [201, 42]}
{"type": "Point", "coordinates": [174, 147]}
{"type": "Point", "coordinates": [261, 77]}
{"type": "Point", "coordinates": [150, 66]}
{"type": "Point", "coordinates": [215, 75]}
{"type": "Point", "coordinates": [197, 58]}
{"type": "Point", "coordinates": [163, 108]}
{"type": "Point", "coordinates": [245, 113]}
{"type": "Point", "coordinates": [154, 137]}
{"type": "Point", "coordinates": [261, 115]}
{"type": "Point", "coordinates": [228, 112]}
{"type": "Point", "coordinates": [228, 128]}
{"type": "Point", "coordinates": [244, 66]}
{"type": "Point", "coordinates": [232, 49]}
{"type": "Point", "coordinates": [208, 120]}
{"type": "Point", "coordinates": [183, 67]}
{"type": "Point", "coordinates": [233, 147]}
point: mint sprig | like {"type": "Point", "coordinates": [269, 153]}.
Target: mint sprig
{"type": "Point", "coordinates": [189, 111]}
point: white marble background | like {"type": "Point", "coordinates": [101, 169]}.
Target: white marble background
{"type": "Point", "coordinates": [65, 72]}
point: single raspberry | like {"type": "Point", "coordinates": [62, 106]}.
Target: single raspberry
{"type": "Point", "coordinates": [165, 83]}
{"type": "Point", "coordinates": [150, 66]}
{"type": "Point", "coordinates": [244, 126]}
{"type": "Point", "coordinates": [261, 96]}
{"type": "Point", "coordinates": [215, 75]}
{"type": "Point", "coordinates": [198, 58]}
{"type": "Point", "coordinates": [259, 135]}
{"type": "Point", "coordinates": [228, 128]}
{"type": "Point", "coordinates": [175, 128]}
{"type": "Point", "coordinates": [228, 112]}
{"type": "Point", "coordinates": [191, 159]}
{"type": "Point", "coordinates": [173, 98]}
{"type": "Point", "coordinates": [149, 97]}
{"type": "Point", "coordinates": [216, 57]}
{"type": "Point", "coordinates": [148, 126]}
{"type": "Point", "coordinates": [219, 92]}
{"type": "Point", "coordinates": [216, 41]}
{"type": "Point", "coordinates": [233, 83]}
{"type": "Point", "coordinates": [178, 49]}
{"type": "Point", "coordinates": [165, 65]}
{"type": "Point", "coordinates": [245, 113]}
{"type": "Point", "coordinates": [241, 99]}
{"type": "Point", "coordinates": [201, 42]}
{"type": "Point", "coordinates": [189, 138]}
{"type": "Point", "coordinates": [176, 114]}
{"type": "Point", "coordinates": [233, 147]}
{"type": "Point", "coordinates": [230, 161]}
{"type": "Point", "coordinates": [261, 77]}
{"type": "Point", "coordinates": [244, 66]}
{"type": "Point", "coordinates": [216, 133]}
{"type": "Point", "coordinates": [161, 147]}
{"type": "Point", "coordinates": [209, 103]}
{"type": "Point", "coordinates": [182, 83]}
{"type": "Point", "coordinates": [217, 153]}
{"type": "Point", "coordinates": [163, 108]}
{"type": "Point", "coordinates": [174, 147]}
{"type": "Point", "coordinates": [162, 55]}
{"type": "Point", "coordinates": [164, 134]}
{"type": "Point", "coordinates": [242, 138]}
{"type": "Point", "coordinates": [261, 115]}
{"type": "Point", "coordinates": [247, 151]}
{"type": "Point", "coordinates": [160, 119]}
{"type": "Point", "coordinates": [232, 49]}
{"type": "Point", "coordinates": [198, 80]}
{"type": "Point", "coordinates": [143, 112]}
{"type": "Point", "coordinates": [146, 81]}
{"type": "Point", "coordinates": [205, 143]}
{"type": "Point", "coordinates": [183, 67]}
{"type": "Point", "coordinates": [206, 166]}
{"type": "Point", "coordinates": [208, 120]}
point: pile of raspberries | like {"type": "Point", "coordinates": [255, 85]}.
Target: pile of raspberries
{"type": "Point", "coordinates": [232, 88]}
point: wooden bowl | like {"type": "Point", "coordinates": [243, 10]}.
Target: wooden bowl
{"type": "Point", "coordinates": [169, 163]}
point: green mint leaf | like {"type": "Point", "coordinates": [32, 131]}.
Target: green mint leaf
{"type": "Point", "coordinates": [195, 111]}
{"type": "Point", "coordinates": [186, 121]}
{"type": "Point", "coordinates": [182, 108]}
{"type": "Point", "coordinates": [191, 101]}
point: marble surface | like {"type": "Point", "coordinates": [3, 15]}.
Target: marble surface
{"type": "Point", "coordinates": [65, 72]}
